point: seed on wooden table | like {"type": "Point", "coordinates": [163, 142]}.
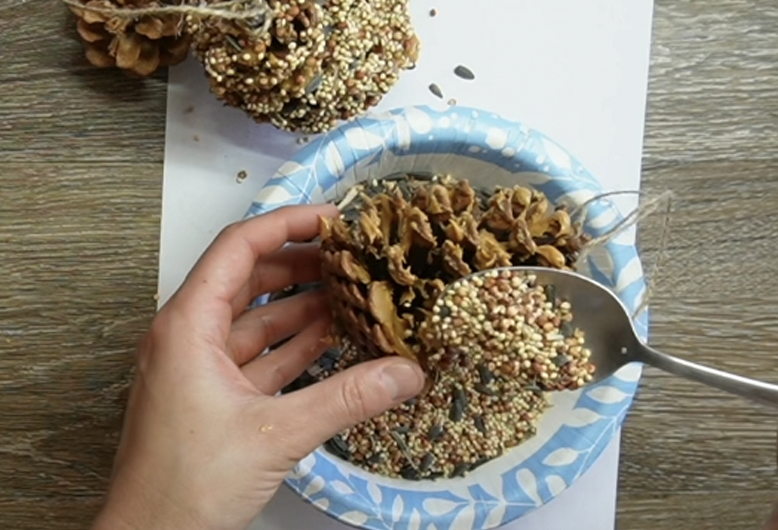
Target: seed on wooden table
{"type": "Point", "coordinates": [436, 91]}
{"type": "Point", "coordinates": [464, 72]}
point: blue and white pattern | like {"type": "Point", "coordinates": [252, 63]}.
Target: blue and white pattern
{"type": "Point", "coordinates": [573, 433]}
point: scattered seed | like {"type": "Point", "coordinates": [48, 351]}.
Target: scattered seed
{"type": "Point", "coordinates": [436, 91]}
{"type": "Point", "coordinates": [451, 102]}
{"type": "Point", "coordinates": [196, 138]}
{"type": "Point", "coordinates": [189, 109]}
{"type": "Point", "coordinates": [242, 175]}
{"type": "Point", "coordinates": [464, 72]}
{"type": "Point", "coordinates": [433, 12]}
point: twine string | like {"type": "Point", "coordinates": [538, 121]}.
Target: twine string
{"type": "Point", "coordinates": [224, 10]}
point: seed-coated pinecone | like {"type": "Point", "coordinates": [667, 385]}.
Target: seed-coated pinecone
{"type": "Point", "coordinates": [307, 64]}
{"type": "Point", "coordinates": [398, 243]}
{"type": "Point", "coordinates": [138, 45]}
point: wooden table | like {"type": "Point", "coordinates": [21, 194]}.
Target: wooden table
{"type": "Point", "coordinates": [81, 154]}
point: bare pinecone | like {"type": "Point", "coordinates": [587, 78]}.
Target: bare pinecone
{"type": "Point", "coordinates": [398, 243]}
{"type": "Point", "coordinates": [138, 45]}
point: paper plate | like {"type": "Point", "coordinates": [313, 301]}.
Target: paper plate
{"type": "Point", "coordinates": [485, 148]}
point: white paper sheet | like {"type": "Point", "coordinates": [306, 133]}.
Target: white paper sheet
{"type": "Point", "coordinates": [574, 69]}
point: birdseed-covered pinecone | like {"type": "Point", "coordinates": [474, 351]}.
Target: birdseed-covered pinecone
{"type": "Point", "coordinates": [139, 45]}
{"type": "Point", "coordinates": [307, 64]}
{"type": "Point", "coordinates": [399, 242]}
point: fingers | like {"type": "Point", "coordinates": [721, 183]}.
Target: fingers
{"type": "Point", "coordinates": [266, 325]}
{"type": "Point", "coordinates": [348, 398]}
{"type": "Point", "coordinates": [224, 269]}
{"type": "Point", "coordinates": [272, 372]}
{"type": "Point", "coordinates": [292, 265]}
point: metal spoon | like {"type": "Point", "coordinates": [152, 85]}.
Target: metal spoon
{"type": "Point", "coordinates": [613, 340]}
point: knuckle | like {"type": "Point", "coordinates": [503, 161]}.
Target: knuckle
{"type": "Point", "coordinates": [354, 399]}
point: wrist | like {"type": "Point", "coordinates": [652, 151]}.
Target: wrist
{"type": "Point", "coordinates": [139, 508]}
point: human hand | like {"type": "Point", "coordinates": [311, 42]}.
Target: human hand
{"type": "Point", "coordinates": [206, 442]}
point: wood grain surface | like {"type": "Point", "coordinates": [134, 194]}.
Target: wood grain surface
{"type": "Point", "coordinates": [80, 187]}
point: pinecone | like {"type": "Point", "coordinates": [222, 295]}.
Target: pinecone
{"type": "Point", "coordinates": [138, 45]}
{"type": "Point", "coordinates": [307, 64]}
{"type": "Point", "coordinates": [398, 243]}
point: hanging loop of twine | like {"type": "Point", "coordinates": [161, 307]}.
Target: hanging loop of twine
{"type": "Point", "coordinates": [225, 10]}
{"type": "Point", "coordinates": [650, 206]}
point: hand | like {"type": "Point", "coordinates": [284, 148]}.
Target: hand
{"type": "Point", "coordinates": [206, 441]}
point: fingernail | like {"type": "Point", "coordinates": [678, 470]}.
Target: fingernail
{"type": "Point", "coordinates": [402, 379]}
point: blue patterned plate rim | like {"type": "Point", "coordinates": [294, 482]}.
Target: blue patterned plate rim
{"type": "Point", "coordinates": [421, 134]}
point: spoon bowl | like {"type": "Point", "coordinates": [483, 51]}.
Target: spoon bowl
{"type": "Point", "coordinates": [614, 342]}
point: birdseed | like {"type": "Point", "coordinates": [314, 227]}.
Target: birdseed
{"type": "Point", "coordinates": [436, 91]}
{"type": "Point", "coordinates": [488, 396]}
{"type": "Point", "coordinates": [464, 72]}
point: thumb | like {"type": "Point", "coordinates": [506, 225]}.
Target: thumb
{"type": "Point", "coordinates": [350, 397]}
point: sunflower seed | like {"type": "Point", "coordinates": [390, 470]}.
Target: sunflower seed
{"type": "Point", "coordinates": [483, 389]}
{"type": "Point", "coordinates": [561, 360]}
{"type": "Point", "coordinates": [479, 423]}
{"type": "Point", "coordinates": [460, 469]}
{"type": "Point", "coordinates": [436, 91]}
{"type": "Point", "coordinates": [402, 429]}
{"type": "Point", "coordinates": [375, 458]}
{"type": "Point", "coordinates": [478, 463]}
{"type": "Point", "coordinates": [338, 446]}
{"type": "Point", "coordinates": [566, 328]}
{"type": "Point", "coordinates": [435, 432]}
{"type": "Point", "coordinates": [484, 373]}
{"type": "Point", "coordinates": [456, 412]}
{"type": "Point", "coordinates": [426, 461]}
{"type": "Point", "coordinates": [409, 473]}
{"type": "Point", "coordinates": [464, 72]}
{"type": "Point", "coordinates": [551, 295]}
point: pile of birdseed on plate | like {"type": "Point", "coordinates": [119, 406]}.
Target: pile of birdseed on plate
{"type": "Point", "coordinates": [491, 346]}
{"type": "Point", "coordinates": [508, 341]}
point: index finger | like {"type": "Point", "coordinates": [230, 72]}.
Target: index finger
{"type": "Point", "coordinates": [225, 267]}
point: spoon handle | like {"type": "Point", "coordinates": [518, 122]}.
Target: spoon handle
{"type": "Point", "coordinates": [751, 389]}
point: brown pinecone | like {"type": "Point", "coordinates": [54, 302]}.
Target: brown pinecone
{"type": "Point", "coordinates": [398, 243]}
{"type": "Point", "coordinates": [139, 45]}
